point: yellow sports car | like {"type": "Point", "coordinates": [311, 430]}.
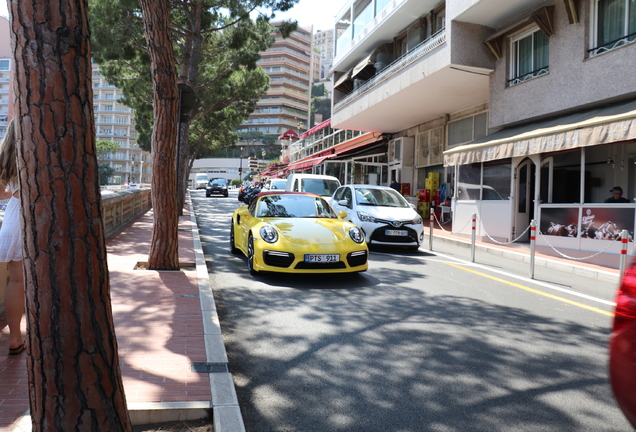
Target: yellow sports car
{"type": "Point", "coordinates": [296, 232]}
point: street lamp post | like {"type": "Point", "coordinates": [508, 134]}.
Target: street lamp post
{"type": "Point", "coordinates": [241, 164]}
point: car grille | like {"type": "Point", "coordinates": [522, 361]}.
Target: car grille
{"type": "Point", "coordinates": [357, 258]}
{"type": "Point", "coordinates": [278, 259]}
{"type": "Point", "coordinates": [320, 266]}
{"type": "Point", "coordinates": [379, 235]}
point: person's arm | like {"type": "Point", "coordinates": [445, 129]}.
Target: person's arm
{"type": "Point", "coordinates": [4, 192]}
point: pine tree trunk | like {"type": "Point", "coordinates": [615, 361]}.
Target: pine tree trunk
{"type": "Point", "coordinates": [75, 381]}
{"type": "Point", "coordinates": [164, 247]}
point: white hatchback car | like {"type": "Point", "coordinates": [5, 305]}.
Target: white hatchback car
{"type": "Point", "coordinates": [384, 216]}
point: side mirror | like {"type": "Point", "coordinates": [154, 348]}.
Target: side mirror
{"type": "Point", "coordinates": [413, 206]}
{"type": "Point", "coordinates": [344, 203]}
{"type": "Point", "coordinates": [342, 214]}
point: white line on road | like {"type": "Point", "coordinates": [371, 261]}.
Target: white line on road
{"type": "Point", "coordinates": [514, 276]}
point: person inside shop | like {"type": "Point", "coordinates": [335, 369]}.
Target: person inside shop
{"type": "Point", "coordinates": [617, 196]}
{"type": "Point", "coordinates": [395, 185]}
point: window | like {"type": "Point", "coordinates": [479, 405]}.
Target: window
{"type": "Point", "coordinates": [108, 107]}
{"type": "Point", "coordinates": [529, 56]}
{"type": "Point", "coordinates": [107, 119]}
{"type": "Point", "coordinates": [108, 95]}
{"type": "Point", "coordinates": [467, 129]}
{"type": "Point", "coordinates": [615, 24]}
{"type": "Point", "coordinates": [5, 65]}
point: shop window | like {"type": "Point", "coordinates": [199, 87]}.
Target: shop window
{"type": "Point", "coordinates": [529, 56]}
{"type": "Point", "coordinates": [614, 24]}
{"type": "Point", "coordinates": [5, 65]}
{"type": "Point", "coordinates": [496, 181]}
{"type": "Point", "coordinates": [469, 181]}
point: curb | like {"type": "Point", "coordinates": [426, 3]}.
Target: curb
{"type": "Point", "coordinates": [224, 405]}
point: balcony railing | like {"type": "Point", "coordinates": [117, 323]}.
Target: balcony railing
{"type": "Point", "coordinates": [398, 65]}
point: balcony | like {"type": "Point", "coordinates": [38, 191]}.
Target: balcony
{"type": "Point", "coordinates": [435, 78]}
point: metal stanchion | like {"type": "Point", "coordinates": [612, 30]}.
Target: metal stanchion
{"type": "Point", "coordinates": [624, 239]}
{"type": "Point", "coordinates": [472, 246]}
{"type": "Point", "coordinates": [432, 221]}
{"type": "Point", "coordinates": [533, 237]}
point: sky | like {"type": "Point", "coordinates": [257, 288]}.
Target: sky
{"type": "Point", "coordinates": [319, 13]}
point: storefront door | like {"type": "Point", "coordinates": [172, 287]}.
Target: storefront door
{"type": "Point", "coordinates": [524, 205]}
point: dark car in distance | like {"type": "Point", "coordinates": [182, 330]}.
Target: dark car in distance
{"type": "Point", "coordinates": [216, 185]}
{"type": "Point", "coordinates": [622, 349]}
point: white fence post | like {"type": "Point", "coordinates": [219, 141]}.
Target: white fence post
{"type": "Point", "coordinates": [430, 236]}
{"type": "Point", "coordinates": [472, 246]}
{"type": "Point", "coordinates": [533, 237]}
{"type": "Point", "coordinates": [624, 239]}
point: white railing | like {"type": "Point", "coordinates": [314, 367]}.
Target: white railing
{"type": "Point", "coordinates": [398, 65]}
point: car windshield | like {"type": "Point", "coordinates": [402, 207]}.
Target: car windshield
{"type": "Point", "coordinates": [218, 181]}
{"type": "Point", "coordinates": [294, 206]}
{"type": "Point", "coordinates": [277, 184]}
{"type": "Point", "coordinates": [380, 197]}
{"type": "Point", "coordinates": [322, 187]}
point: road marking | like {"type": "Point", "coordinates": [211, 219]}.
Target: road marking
{"type": "Point", "coordinates": [532, 290]}
{"type": "Point", "coordinates": [512, 275]}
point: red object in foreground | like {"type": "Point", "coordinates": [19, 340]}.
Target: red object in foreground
{"type": "Point", "coordinates": [622, 362]}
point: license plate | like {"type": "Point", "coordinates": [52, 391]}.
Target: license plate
{"type": "Point", "coordinates": [322, 258]}
{"type": "Point", "coordinates": [396, 232]}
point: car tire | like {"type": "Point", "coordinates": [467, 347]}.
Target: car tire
{"type": "Point", "coordinates": [233, 248]}
{"type": "Point", "coordinates": [226, 195]}
{"type": "Point", "coordinates": [250, 255]}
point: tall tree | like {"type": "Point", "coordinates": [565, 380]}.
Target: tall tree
{"type": "Point", "coordinates": [217, 45]}
{"type": "Point", "coordinates": [164, 246]}
{"type": "Point", "coordinates": [74, 376]}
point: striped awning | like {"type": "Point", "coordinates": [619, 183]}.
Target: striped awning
{"type": "Point", "coordinates": [605, 125]}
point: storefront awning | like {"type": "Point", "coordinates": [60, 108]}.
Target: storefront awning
{"type": "Point", "coordinates": [288, 135]}
{"type": "Point", "coordinates": [307, 163]}
{"type": "Point", "coordinates": [316, 128]}
{"type": "Point", "coordinates": [604, 125]}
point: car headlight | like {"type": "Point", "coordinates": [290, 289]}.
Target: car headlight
{"type": "Point", "coordinates": [356, 234]}
{"type": "Point", "coordinates": [417, 220]}
{"type": "Point", "coordinates": [365, 217]}
{"type": "Point", "coordinates": [269, 234]}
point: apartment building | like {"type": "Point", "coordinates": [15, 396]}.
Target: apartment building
{"type": "Point", "coordinates": [114, 121]}
{"type": "Point", "coordinates": [324, 42]}
{"type": "Point", "coordinates": [526, 108]}
{"type": "Point", "coordinates": [6, 76]}
{"type": "Point", "coordinates": [289, 65]}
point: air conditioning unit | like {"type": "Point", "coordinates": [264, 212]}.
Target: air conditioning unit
{"type": "Point", "coordinates": [401, 151]}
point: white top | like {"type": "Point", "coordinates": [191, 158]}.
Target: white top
{"type": "Point", "coordinates": [10, 231]}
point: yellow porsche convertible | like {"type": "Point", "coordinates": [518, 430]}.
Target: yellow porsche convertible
{"type": "Point", "coordinates": [296, 232]}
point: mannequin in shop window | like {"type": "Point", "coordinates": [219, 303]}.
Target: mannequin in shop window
{"type": "Point", "coordinates": [617, 196]}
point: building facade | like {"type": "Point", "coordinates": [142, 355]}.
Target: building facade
{"type": "Point", "coordinates": [114, 121]}
{"type": "Point", "coordinates": [6, 76]}
{"type": "Point", "coordinates": [324, 42]}
{"type": "Point", "coordinates": [524, 109]}
{"type": "Point", "coordinates": [289, 64]}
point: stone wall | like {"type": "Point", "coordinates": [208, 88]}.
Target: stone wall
{"type": "Point", "coordinates": [118, 208]}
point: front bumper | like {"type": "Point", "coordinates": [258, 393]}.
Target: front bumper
{"type": "Point", "coordinates": [376, 234]}
{"type": "Point", "coordinates": [269, 260]}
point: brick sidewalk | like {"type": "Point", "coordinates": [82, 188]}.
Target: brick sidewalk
{"type": "Point", "coordinates": [160, 332]}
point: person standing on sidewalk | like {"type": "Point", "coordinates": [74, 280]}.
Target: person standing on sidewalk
{"type": "Point", "coordinates": [11, 240]}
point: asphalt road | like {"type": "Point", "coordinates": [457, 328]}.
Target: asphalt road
{"type": "Point", "coordinates": [420, 342]}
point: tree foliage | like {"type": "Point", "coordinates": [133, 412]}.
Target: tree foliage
{"type": "Point", "coordinates": [217, 46]}
{"type": "Point", "coordinates": [104, 147]}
